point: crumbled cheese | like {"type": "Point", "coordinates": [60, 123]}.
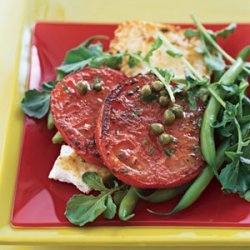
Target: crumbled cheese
{"type": "Point", "coordinates": [134, 36]}
{"type": "Point", "coordinates": [69, 167]}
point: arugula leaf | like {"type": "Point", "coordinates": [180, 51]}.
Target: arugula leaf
{"type": "Point", "coordinates": [173, 54]}
{"type": "Point", "coordinates": [97, 62]}
{"type": "Point", "coordinates": [232, 88]}
{"type": "Point", "coordinates": [156, 45]}
{"type": "Point", "coordinates": [114, 61]}
{"type": "Point", "coordinates": [224, 33]}
{"type": "Point", "coordinates": [214, 62]}
{"type": "Point", "coordinates": [49, 86]}
{"type": "Point", "coordinates": [229, 114]}
{"type": "Point", "coordinates": [195, 89]}
{"type": "Point", "coordinates": [72, 67]}
{"type": "Point", "coordinates": [191, 33]}
{"type": "Point", "coordinates": [82, 209]}
{"type": "Point", "coordinates": [235, 177]}
{"type": "Point", "coordinates": [94, 181]}
{"type": "Point", "coordinates": [36, 103]}
{"type": "Point", "coordinates": [88, 41]}
{"type": "Point", "coordinates": [246, 196]}
{"type": "Point", "coordinates": [132, 60]}
{"type": "Point", "coordinates": [88, 55]}
{"type": "Point", "coordinates": [110, 212]}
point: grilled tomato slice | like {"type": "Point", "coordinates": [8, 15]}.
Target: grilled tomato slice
{"type": "Point", "coordinates": [146, 144]}
{"type": "Point", "coordinates": [75, 104]}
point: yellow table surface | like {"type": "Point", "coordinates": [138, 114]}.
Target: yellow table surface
{"type": "Point", "coordinates": [15, 14]}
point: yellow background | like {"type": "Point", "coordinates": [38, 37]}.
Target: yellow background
{"type": "Point", "coordinates": [14, 14]}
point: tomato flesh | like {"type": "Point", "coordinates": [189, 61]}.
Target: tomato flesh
{"type": "Point", "coordinates": [131, 150]}
{"type": "Point", "coordinates": [75, 114]}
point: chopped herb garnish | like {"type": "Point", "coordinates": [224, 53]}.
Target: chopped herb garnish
{"type": "Point", "coordinates": [169, 152]}
{"type": "Point", "coordinates": [124, 171]}
{"type": "Point", "coordinates": [196, 149]}
{"type": "Point", "coordinates": [151, 150]}
{"type": "Point", "coordinates": [131, 92]}
{"type": "Point", "coordinates": [36, 102]}
{"type": "Point", "coordinates": [136, 112]}
{"type": "Point", "coordinates": [82, 209]}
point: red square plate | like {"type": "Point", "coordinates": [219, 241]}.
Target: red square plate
{"type": "Point", "coordinates": [41, 202]}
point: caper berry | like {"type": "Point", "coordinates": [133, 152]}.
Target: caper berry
{"type": "Point", "coordinates": [98, 86]}
{"type": "Point", "coordinates": [164, 100]}
{"type": "Point", "coordinates": [169, 117]}
{"type": "Point", "coordinates": [157, 128]}
{"type": "Point", "coordinates": [157, 86]}
{"type": "Point", "coordinates": [163, 92]}
{"type": "Point", "coordinates": [145, 90]}
{"type": "Point", "coordinates": [165, 139]}
{"type": "Point", "coordinates": [82, 87]}
{"type": "Point", "coordinates": [178, 111]}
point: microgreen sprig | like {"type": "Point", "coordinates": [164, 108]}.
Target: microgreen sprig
{"type": "Point", "coordinates": [203, 31]}
{"type": "Point", "coordinates": [175, 51]}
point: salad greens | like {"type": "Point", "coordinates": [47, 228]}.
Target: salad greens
{"type": "Point", "coordinates": [227, 116]}
{"type": "Point", "coordinates": [36, 103]}
{"type": "Point", "coordinates": [82, 209]}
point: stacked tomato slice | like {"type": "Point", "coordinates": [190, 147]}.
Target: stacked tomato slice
{"type": "Point", "coordinates": [114, 123]}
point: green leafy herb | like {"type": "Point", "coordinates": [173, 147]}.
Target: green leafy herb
{"type": "Point", "coordinates": [110, 212]}
{"type": "Point", "coordinates": [94, 181]}
{"type": "Point", "coordinates": [229, 115]}
{"type": "Point", "coordinates": [235, 176]}
{"type": "Point", "coordinates": [174, 54]}
{"type": "Point", "coordinates": [114, 60]}
{"type": "Point", "coordinates": [191, 33]}
{"type": "Point", "coordinates": [196, 149]}
{"type": "Point", "coordinates": [214, 62]}
{"type": "Point", "coordinates": [91, 55]}
{"type": "Point", "coordinates": [36, 103]}
{"type": "Point", "coordinates": [224, 33]}
{"type": "Point", "coordinates": [196, 89]}
{"type": "Point", "coordinates": [82, 209]}
{"type": "Point", "coordinates": [49, 86]}
{"type": "Point", "coordinates": [133, 60]}
{"type": "Point", "coordinates": [156, 45]}
{"type": "Point", "coordinates": [170, 151]}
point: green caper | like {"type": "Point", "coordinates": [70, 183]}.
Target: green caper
{"type": "Point", "coordinates": [157, 86]}
{"type": "Point", "coordinates": [164, 92]}
{"type": "Point", "coordinates": [164, 100]}
{"type": "Point", "coordinates": [98, 86]}
{"type": "Point", "coordinates": [157, 128]}
{"type": "Point", "coordinates": [169, 117]}
{"type": "Point", "coordinates": [165, 139]}
{"type": "Point", "coordinates": [82, 87]}
{"type": "Point", "coordinates": [178, 111]}
{"type": "Point", "coordinates": [145, 90]}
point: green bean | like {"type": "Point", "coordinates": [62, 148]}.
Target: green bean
{"type": "Point", "coordinates": [200, 184]}
{"type": "Point", "coordinates": [50, 121]}
{"type": "Point", "coordinates": [244, 53]}
{"type": "Point", "coordinates": [57, 138]}
{"type": "Point", "coordinates": [164, 194]}
{"type": "Point", "coordinates": [128, 204]}
{"type": "Point", "coordinates": [210, 115]}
